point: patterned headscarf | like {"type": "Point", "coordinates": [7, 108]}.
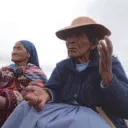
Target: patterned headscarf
{"type": "Point", "coordinates": [32, 51]}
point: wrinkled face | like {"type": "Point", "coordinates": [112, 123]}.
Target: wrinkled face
{"type": "Point", "coordinates": [19, 53]}
{"type": "Point", "coordinates": [78, 45]}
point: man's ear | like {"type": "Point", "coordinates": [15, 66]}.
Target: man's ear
{"type": "Point", "coordinates": [94, 43]}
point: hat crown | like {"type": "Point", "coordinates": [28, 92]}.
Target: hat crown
{"type": "Point", "coordinates": [82, 21]}
{"type": "Point", "coordinates": [85, 24]}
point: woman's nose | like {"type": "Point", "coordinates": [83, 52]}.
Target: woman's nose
{"type": "Point", "coordinates": [14, 52]}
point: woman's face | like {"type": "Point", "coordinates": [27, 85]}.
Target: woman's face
{"type": "Point", "coordinates": [79, 46]}
{"type": "Point", "coordinates": [19, 53]}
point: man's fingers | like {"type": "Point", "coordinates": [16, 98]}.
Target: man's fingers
{"type": "Point", "coordinates": [41, 105]}
{"type": "Point", "coordinates": [34, 89]}
{"type": "Point", "coordinates": [109, 45]}
{"type": "Point", "coordinates": [102, 60]}
{"type": "Point", "coordinates": [30, 88]}
{"type": "Point", "coordinates": [29, 96]}
{"type": "Point", "coordinates": [106, 52]}
{"type": "Point", "coordinates": [101, 53]}
{"type": "Point", "coordinates": [33, 102]}
{"type": "Point", "coordinates": [40, 101]}
{"type": "Point", "coordinates": [104, 48]}
{"type": "Point", "coordinates": [36, 98]}
{"type": "Point", "coordinates": [29, 103]}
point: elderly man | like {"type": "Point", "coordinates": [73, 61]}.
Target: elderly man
{"type": "Point", "coordinates": [87, 90]}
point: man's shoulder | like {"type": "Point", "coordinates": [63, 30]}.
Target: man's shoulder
{"type": "Point", "coordinates": [64, 62]}
{"type": "Point", "coordinates": [115, 59]}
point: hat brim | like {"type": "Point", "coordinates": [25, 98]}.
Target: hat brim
{"type": "Point", "coordinates": [96, 29]}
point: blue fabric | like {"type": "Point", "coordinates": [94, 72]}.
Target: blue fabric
{"type": "Point", "coordinates": [55, 116]}
{"type": "Point", "coordinates": [70, 86]}
{"type": "Point", "coordinates": [81, 67]}
{"type": "Point", "coordinates": [32, 51]}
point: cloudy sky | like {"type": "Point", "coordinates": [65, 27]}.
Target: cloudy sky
{"type": "Point", "coordinates": [38, 20]}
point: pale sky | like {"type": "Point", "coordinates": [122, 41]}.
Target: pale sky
{"type": "Point", "coordinates": [38, 20]}
{"type": "Point", "coordinates": [113, 14]}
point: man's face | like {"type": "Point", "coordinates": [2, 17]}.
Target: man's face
{"type": "Point", "coordinates": [78, 45]}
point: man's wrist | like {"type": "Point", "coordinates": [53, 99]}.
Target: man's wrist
{"type": "Point", "coordinates": [49, 93]}
{"type": "Point", "coordinates": [107, 78]}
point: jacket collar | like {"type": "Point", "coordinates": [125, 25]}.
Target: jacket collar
{"type": "Point", "coordinates": [94, 62]}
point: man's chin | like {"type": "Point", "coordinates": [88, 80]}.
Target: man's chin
{"type": "Point", "coordinates": [72, 56]}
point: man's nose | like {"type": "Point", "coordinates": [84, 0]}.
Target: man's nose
{"type": "Point", "coordinates": [70, 41]}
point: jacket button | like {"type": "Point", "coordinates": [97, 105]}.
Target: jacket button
{"type": "Point", "coordinates": [75, 96]}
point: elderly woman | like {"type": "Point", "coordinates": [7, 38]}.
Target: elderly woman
{"type": "Point", "coordinates": [15, 77]}
{"type": "Point", "coordinates": [87, 90]}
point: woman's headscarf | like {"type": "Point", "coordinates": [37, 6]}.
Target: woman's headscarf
{"type": "Point", "coordinates": [32, 51]}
